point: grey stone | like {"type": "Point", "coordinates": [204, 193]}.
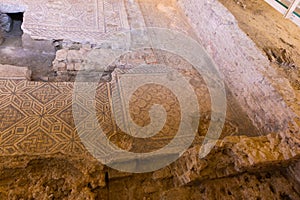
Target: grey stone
{"type": "Point", "coordinates": [5, 22]}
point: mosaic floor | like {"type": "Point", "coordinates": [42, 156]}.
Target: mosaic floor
{"type": "Point", "coordinates": [73, 19]}
{"type": "Point", "coordinates": [37, 118]}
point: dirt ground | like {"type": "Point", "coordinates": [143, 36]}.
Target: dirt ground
{"type": "Point", "coordinates": [276, 36]}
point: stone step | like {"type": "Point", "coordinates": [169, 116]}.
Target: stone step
{"type": "Point", "coordinates": [14, 72]}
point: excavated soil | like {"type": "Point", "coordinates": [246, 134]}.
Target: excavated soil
{"type": "Point", "coordinates": [270, 31]}
{"type": "Point", "coordinates": [62, 177]}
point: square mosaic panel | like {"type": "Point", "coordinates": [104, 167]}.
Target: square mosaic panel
{"type": "Point", "coordinates": [77, 20]}
{"type": "Point", "coordinates": [36, 118]}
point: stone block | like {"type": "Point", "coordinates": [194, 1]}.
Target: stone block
{"type": "Point", "coordinates": [61, 55]}
{"type": "Point", "coordinates": [14, 72]}
{"type": "Point", "coordinates": [5, 22]}
{"type": "Point", "coordinates": [74, 56]}
{"type": "Point", "coordinates": [70, 67]}
{"type": "Point", "coordinates": [87, 47]}
{"type": "Point", "coordinates": [77, 66]}
{"type": "Point", "coordinates": [61, 66]}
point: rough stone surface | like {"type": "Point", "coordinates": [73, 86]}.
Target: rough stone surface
{"type": "Point", "coordinates": [234, 155]}
{"type": "Point", "coordinates": [267, 185]}
{"type": "Point", "coordinates": [73, 177]}
{"type": "Point", "coordinates": [54, 177]}
{"type": "Point", "coordinates": [272, 35]}
{"type": "Point", "coordinates": [242, 64]}
{"type": "Point", "coordinates": [5, 22]}
{"type": "Point", "coordinates": [14, 72]}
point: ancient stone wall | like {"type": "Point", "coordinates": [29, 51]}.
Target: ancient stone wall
{"type": "Point", "coordinates": [245, 68]}
{"type": "Point", "coordinates": [255, 85]}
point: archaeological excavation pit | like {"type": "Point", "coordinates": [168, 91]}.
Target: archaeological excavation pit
{"type": "Point", "coordinates": [18, 49]}
{"type": "Point", "coordinates": [59, 53]}
{"type": "Point", "coordinates": [14, 29]}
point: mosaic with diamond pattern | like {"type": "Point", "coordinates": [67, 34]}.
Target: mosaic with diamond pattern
{"type": "Point", "coordinates": [37, 117]}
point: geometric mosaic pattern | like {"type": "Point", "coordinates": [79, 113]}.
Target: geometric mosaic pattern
{"type": "Point", "coordinates": [79, 20]}
{"type": "Point", "coordinates": [37, 118]}
{"type": "Point", "coordinates": [147, 95]}
{"type": "Point", "coordinates": [9, 115]}
{"type": "Point", "coordinates": [45, 93]}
